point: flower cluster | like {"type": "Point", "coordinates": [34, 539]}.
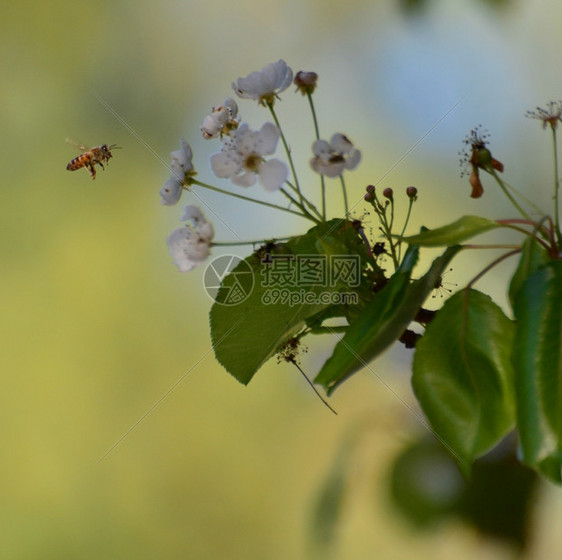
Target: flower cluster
{"type": "Point", "coordinates": [381, 303]}
{"type": "Point", "coordinates": [245, 158]}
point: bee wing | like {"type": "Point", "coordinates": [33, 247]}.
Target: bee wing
{"type": "Point", "coordinates": [79, 145]}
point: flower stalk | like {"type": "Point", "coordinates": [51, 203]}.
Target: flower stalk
{"type": "Point", "coordinates": [317, 132]}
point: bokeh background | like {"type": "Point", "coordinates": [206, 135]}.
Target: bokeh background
{"type": "Point", "coordinates": [121, 435]}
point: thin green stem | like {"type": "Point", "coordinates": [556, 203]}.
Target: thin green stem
{"type": "Point", "coordinates": [490, 266]}
{"type": "Point", "coordinates": [372, 258]}
{"type": "Point", "coordinates": [255, 242]}
{"type": "Point", "coordinates": [294, 362]}
{"type": "Point", "coordinates": [323, 191]}
{"type": "Point", "coordinates": [524, 198]}
{"type": "Point", "coordinates": [302, 208]}
{"type": "Point", "coordinates": [556, 188]}
{"type": "Point", "coordinates": [313, 111]}
{"type": "Point", "coordinates": [508, 194]}
{"type": "Point", "coordinates": [391, 214]}
{"type": "Point", "coordinates": [510, 225]}
{"type": "Point", "coordinates": [254, 200]}
{"type": "Point", "coordinates": [306, 201]}
{"type": "Point", "coordinates": [498, 246]}
{"type": "Point", "coordinates": [344, 192]}
{"type": "Point", "coordinates": [287, 150]}
{"type": "Point", "coordinates": [387, 232]}
{"type": "Point", "coordinates": [404, 227]}
{"type": "Point", "coordinates": [317, 131]}
{"type": "Point", "coordinates": [329, 330]}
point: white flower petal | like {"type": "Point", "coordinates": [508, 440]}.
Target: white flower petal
{"type": "Point", "coordinates": [341, 143]}
{"type": "Point", "coordinates": [322, 149]}
{"type": "Point", "coordinates": [247, 179]}
{"type": "Point", "coordinates": [192, 213]}
{"type": "Point", "coordinates": [353, 159]}
{"type": "Point", "coordinates": [203, 229]}
{"type": "Point", "coordinates": [268, 138]}
{"type": "Point", "coordinates": [180, 243]}
{"type": "Point", "coordinates": [206, 232]}
{"type": "Point", "coordinates": [181, 160]}
{"type": "Point", "coordinates": [231, 104]}
{"type": "Point", "coordinates": [327, 168]}
{"type": "Point", "coordinates": [246, 141]}
{"type": "Point", "coordinates": [277, 76]}
{"type": "Point", "coordinates": [273, 174]}
{"type": "Point", "coordinates": [248, 87]}
{"type": "Point", "coordinates": [210, 127]}
{"type": "Point", "coordinates": [271, 80]}
{"type": "Point", "coordinates": [269, 77]}
{"type": "Point", "coordinates": [171, 192]}
{"type": "Point", "coordinates": [223, 165]}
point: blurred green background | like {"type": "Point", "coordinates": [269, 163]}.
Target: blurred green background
{"type": "Point", "coordinates": [104, 342]}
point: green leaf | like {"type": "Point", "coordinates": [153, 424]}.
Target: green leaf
{"type": "Point", "coordinates": [246, 335]}
{"type": "Point", "coordinates": [533, 256]}
{"type": "Point", "coordinates": [453, 234]}
{"type": "Point", "coordinates": [463, 377]}
{"type": "Point", "coordinates": [537, 358]}
{"type": "Point", "coordinates": [383, 320]}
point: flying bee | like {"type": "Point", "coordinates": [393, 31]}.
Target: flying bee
{"type": "Point", "coordinates": [90, 156]}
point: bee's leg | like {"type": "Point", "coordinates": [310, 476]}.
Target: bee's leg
{"type": "Point", "coordinates": [91, 170]}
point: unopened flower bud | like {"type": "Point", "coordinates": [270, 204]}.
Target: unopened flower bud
{"type": "Point", "coordinates": [306, 82]}
{"type": "Point", "coordinates": [412, 192]}
{"type": "Point", "coordinates": [370, 196]}
{"type": "Point", "coordinates": [388, 193]}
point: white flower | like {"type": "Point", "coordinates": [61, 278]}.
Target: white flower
{"type": "Point", "coordinates": [332, 158]}
{"type": "Point", "coordinates": [241, 159]}
{"type": "Point", "coordinates": [264, 86]}
{"type": "Point", "coordinates": [182, 172]}
{"type": "Point", "coordinates": [171, 192]}
{"type": "Point", "coordinates": [189, 245]}
{"type": "Point", "coordinates": [200, 224]}
{"type": "Point", "coordinates": [182, 166]}
{"type": "Point", "coordinates": [193, 213]}
{"type": "Point", "coordinates": [222, 120]}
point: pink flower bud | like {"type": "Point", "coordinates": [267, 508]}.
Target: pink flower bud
{"type": "Point", "coordinates": [306, 82]}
